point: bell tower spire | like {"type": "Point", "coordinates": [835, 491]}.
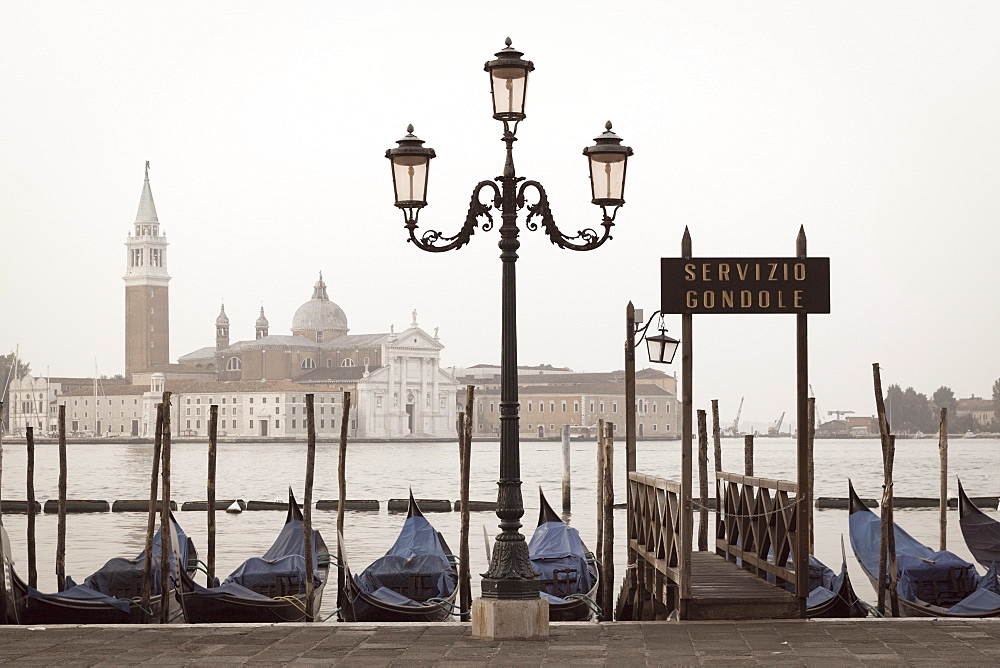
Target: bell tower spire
{"type": "Point", "coordinates": [147, 325]}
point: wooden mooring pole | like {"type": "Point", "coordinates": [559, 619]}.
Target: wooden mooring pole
{"type": "Point", "coordinates": [687, 427]}
{"type": "Point", "coordinates": [165, 546]}
{"type": "Point", "coordinates": [748, 454]}
{"type": "Point", "coordinates": [608, 555]}
{"type": "Point", "coordinates": [702, 481]}
{"type": "Point", "coordinates": [887, 538]}
{"type": "Point", "coordinates": [600, 505]}
{"type": "Point", "coordinates": [566, 483]}
{"type": "Point", "coordinates": [943, 454]}
{"type": "Point", "coordinates": [147, 562]}
{"type": "Point", "coordinates": [213, 430]}
{"type": "Point", "coordinates": [61, 526]}
{"type": "Point", "coordinates": [32, 556]}
{"type": "Point", "coordinates": [716, 435]}
{"type": "Point", "coordinates": [465, 461]}
{"type": "Point", "coordinates": [812, 474]}
{"type": "Point", "coordinates": [307, 503]}
{"type": "Point", "coordinates": [341, 487]}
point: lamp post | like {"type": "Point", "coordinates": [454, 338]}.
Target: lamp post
{"type": "Point", "coordinates": [510, 574]}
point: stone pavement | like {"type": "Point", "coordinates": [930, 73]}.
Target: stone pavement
{"type": "Point", "coordinates": [789, 642]}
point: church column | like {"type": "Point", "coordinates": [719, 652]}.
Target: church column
{"type": "Point", "coordinates": [403, 373]}
{"type": "Point", "coordinates": [389, 422]}
{"type": "Point", "coordinates": [436, 405]}
{"type": "Point", "coordinates": [426, 407]}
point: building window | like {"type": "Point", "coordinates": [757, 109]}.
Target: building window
{"type": "Point", "coordinates": [529, 409]}
{"type": "Point", "coordinates": [564, 407]}
{"type": "Point", "coordinates": [276, 425]}
{"type": "Point", "coordinates": [666, 408]}
{"type": "Point", "coordinates": [591, 406]}
{"type": "Point", "coordinates": [233, 365]}
{"type": "Point", "coordinates": [251, 410]}
{"type": "Point", "coordinates": [308, 363]}
{"type": "Point", "coordinates": [319, 336]}
{"type": "Point", "coordinates": [329, 363]}
{"type": "Point", "coordinates": [188, 424]}
{"type": "Point", "coordinates": [197, 424]}
{"type": "Point", "coordinates": [293, 413]}
{"type": "Point", "coordinates": [188, 411]}
{"type": "Point", "coordinates": [552, 406]}
{"type": "Point", "coordinates": [654, 427]}
{"type": "Point", "coordinates": [347, 362]}
{"type": "Point", "coordinates": [666, 427]}
{"type": "Point", "coordinates": [654, 406]}
{"type": "Point", "coordinates": [602, 406]}
{"type": "Point", "coordinates": [491, 406]}
{"type": "Point", "coordinates": [293, 424]}
{"type": "Point", "coordinates": [576, 406]}
{"type": "Point", "coordinates": [541, 406]}
{"type": "Point", "coordinates": [263, 400]}
{"type": "Point", "coordinates": [552, 427]}
{"type": "Point", "coordinates": [322, 424]}
{"type": "Point", "coordinates": [251, 424]}
{"type": "Point", "coordinates": [614, 406]}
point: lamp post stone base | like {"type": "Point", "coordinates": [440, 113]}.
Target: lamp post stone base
{"type": "Point", "coordinates": [510, 619]}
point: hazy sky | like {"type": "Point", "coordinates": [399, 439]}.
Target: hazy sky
{"type": "Point", "coordinates": [876, 125]}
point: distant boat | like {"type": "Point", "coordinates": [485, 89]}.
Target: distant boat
{"type": "Point", "coordinates": [929, 583]}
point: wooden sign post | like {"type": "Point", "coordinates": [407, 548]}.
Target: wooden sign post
{"type": "Point", "coordinates": [797, 285]}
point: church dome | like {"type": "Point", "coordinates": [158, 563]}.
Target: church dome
{"type": "Point", "coordinates": [319, 313]}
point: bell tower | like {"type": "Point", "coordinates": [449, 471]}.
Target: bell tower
{"type": "Point", "coordinates": [147, 323]}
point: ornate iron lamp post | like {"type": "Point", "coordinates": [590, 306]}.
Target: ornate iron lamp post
{"type": "Point", "coordinates": [510, 575]}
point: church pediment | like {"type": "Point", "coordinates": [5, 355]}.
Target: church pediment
{"type": "Point", "coordinates": [414, 339]}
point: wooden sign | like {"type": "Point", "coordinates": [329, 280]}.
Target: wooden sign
{"type": "Point", "coordinates": [745, 285]}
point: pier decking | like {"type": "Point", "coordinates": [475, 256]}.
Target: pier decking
{"type": "Point", "coordinates": [722, 590]}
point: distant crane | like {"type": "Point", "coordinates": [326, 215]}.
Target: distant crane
{"type": "Point", "coordinates": [735, 429]}
{"type": "Point", "coordinates": [776, 428]}
{"type": "Point", "coordinates": [839, 413]}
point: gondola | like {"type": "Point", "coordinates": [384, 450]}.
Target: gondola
{"type": "Point", "coordinates": [270, 588]}
{"type": "Point", "coordinates": [832, 595]}
{"type": "Point", "coordinates": [981, 532]}
{"type": "Point", "coordinates": [111, 595]}
{"type": "Point", "coordinates": [416, 580]}
{"type": "Point", "coordinates": [567, 570]}
{"type": "Point", "coordinates": [929, 584]}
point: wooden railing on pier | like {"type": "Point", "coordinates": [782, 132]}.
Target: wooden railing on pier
{"type": "Point", "coordinates": [755, 515]}
{"type": "Point", "coordinates": [654, 506]}
{"type": "Point", "coordinates": [756, 526]}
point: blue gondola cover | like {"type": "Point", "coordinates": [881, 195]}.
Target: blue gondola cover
{"type": "Point", "coordinates": [415, 568]}
{"type": "Point", "coordinates": [559, 557]}
{"type": "Point", "coordinates": [113, 582]}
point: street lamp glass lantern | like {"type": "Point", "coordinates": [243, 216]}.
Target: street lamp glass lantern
{"type": "Point", "coordinates": [662, 348]}
{"type": "Point", "coordinates": [509, 83]}
{"type": "Point", "coordinates": [608, 160]}
{"type": "Point", "coordinates": [410, 165]}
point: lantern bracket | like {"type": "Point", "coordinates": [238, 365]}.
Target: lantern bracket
{"type": "Point", "coordinates": [435, 242]}
{"type": "Point", "coordinates": [588, 237]}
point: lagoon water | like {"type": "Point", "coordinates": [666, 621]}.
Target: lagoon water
{"type": "Point", "coordinates": [263, 472]}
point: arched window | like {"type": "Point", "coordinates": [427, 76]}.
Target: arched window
{"type": "Point", "coordinates": [308, 363]}
{"type": "Point", "coordinates": [347, 362]}
{"type": "Point", "coordinates": [233, 364]}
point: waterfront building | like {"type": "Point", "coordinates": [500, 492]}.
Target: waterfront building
{"type": "Point", "coordinates": [550, 400]}
{"type": "Point", "coordinates": [981, 410]}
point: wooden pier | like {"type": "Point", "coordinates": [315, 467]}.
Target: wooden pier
{"type": "Point", "coordinates": [756, 522]}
